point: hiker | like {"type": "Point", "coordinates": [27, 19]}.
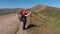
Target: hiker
{"type": "Point", "coordinates": [23, 17]}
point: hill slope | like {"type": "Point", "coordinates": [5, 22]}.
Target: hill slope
{"type": "Point", "coordinates": [46, 18]}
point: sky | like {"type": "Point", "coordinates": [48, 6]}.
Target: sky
{"type": "Point", "coordinates": [28, 3]}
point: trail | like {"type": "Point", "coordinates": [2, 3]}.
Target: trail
{"type": "Point", "coordinates": [44, 7]}
{"type": "Point", "coordinates": [8, 26]}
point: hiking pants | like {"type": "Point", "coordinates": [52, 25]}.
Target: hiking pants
{"type": "Point", "coordinates": [24, 22]}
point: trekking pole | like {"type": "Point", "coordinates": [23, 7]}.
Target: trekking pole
{"type": "Point", "coordinates": [31, 18]}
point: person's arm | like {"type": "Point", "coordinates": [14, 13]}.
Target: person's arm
{"type": "Point", "coordinates": [28, 13]}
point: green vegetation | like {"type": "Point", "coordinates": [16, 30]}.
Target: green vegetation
{"type": "Point", "coordinates": [47, 21]}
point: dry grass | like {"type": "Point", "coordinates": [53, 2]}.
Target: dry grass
{"type": "Point", "coordinates": [7, 15]}
{"type": "Point", "coordinates": [47, 22]}
{"type": "Point", "coordinates": [13, 29]}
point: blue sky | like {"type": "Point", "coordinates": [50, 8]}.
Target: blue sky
{"type": "Point", "coordinates": [27, 3]}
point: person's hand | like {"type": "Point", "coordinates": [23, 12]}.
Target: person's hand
{"type": "Point", "coordinates": [30, 12]}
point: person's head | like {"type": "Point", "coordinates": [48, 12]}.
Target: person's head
{"type": "Point", "coordinates": [23, 11]}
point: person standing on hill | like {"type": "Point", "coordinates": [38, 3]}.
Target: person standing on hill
{"type": "Point", "coordinates": [23, 17]}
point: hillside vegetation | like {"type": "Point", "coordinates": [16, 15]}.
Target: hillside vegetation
{"type": "Point", "coordinates": [46, 19]}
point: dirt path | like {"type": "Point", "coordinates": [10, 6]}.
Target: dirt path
{"type": "Point", "coordinates": [8, 26]}
{"type": "Point", "coordinates": [43, 8]}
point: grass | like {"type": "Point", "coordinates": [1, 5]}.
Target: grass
{"type": "Point", "coordinates": [48, 25]}
{"type": "Point", "coordinates": [7, 15]}
{"type": "Point", "coordinates": [53, 24]}
{"type": "Point", "coordinates": [13, 27]}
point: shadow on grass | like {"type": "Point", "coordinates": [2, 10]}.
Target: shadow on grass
{"type": "Point", "coordinates": [31, 26]}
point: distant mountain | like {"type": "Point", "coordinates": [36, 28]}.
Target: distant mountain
{"type": "Point", "coordinates": [8, 11]}
{"type": "Point", "coordinates": [45, 11]}
{"type": "Point", "coordinates": [38, 6]}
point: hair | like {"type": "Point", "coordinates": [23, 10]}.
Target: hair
{"type": "Point", "coordinates": [23, 11]}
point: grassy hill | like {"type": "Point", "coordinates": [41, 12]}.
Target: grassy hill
{"type": "Point", "coordinates": [47, 20]}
